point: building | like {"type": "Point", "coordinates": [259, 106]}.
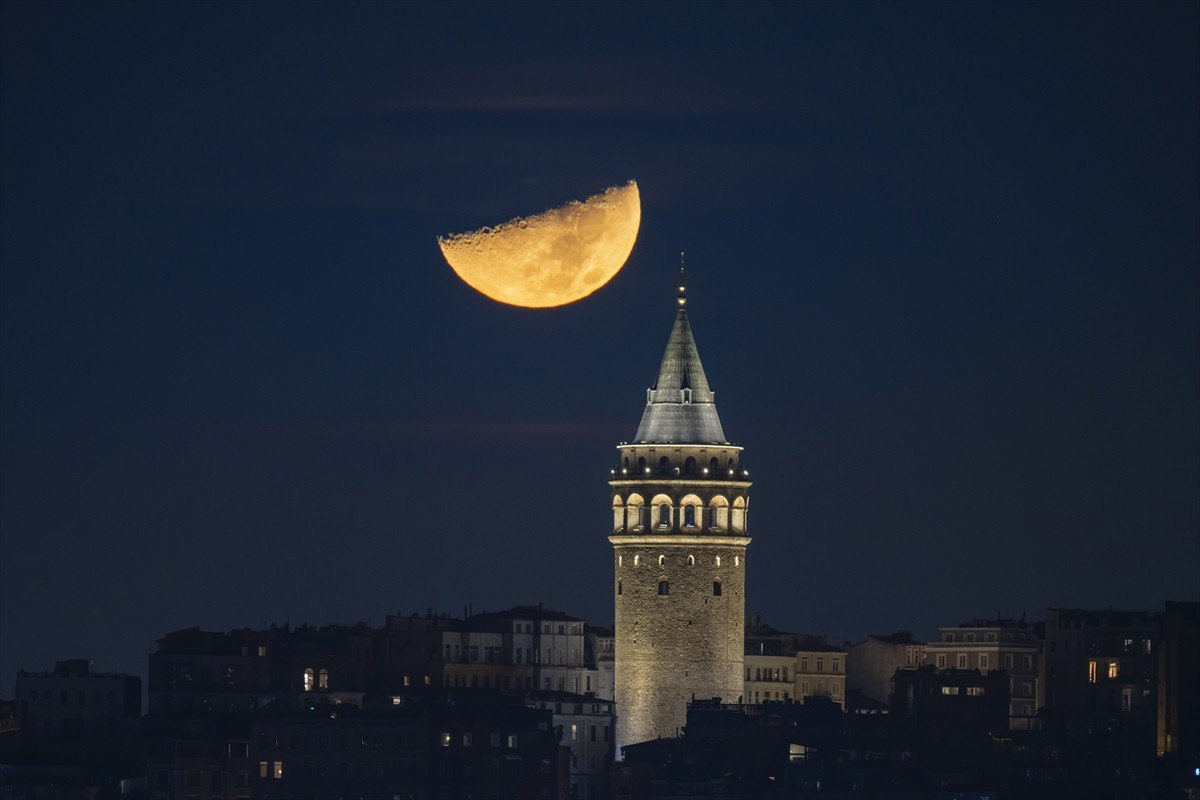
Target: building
{"type": "Point", "coordinates": [679, 536]}
{"type": "Point", "coordinates": [72, 732]}
{"type": "Point", "coordinates": [585, 725]}
{"type": "Point", "coordinates": [1178, 714]}
{"type": "Point", "coordinates": [1099, 676]}
{"type": "Point", "coordinates": [1001, 644]}
{"type": "Point", "coordinates": [434, 744]}
{"type": "Point", "coordinates": [951, 716]}
{"type": "Point", "coordinates": [872, 662]}
{"type": "Point", "coordinates": [821, 672]}
{"type": "Point", "coordinates": [781, 666]}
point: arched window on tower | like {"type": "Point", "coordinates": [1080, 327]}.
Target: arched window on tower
{"type": "Point", "coordinates": [664, 465]}
{"type": "Point", "coordinates": [618, 587]}
{"type": "Point", "coordinates": [712, 464]}
{"type": "Point", "coordinates": [737, 520]}
{"type": "Point", "coordinates": [689, 516]}
{"type": "Point", "coordinates": [323, 679]}
{"type": "Point", "coordinates": [691, 561]}
{"type": "Point", "coordinates": [689, 466]}
{"type": "Point", "coordinates": [642, 464]}
{"type": "Point", "coordinates": [664, 516]}
{"type": "Point", "coordinates": [718, 561]}
{"type": "Point", "coordinates": [637, 560]}
{"type": "Point", "coordinates": [618, 514]}
{"type": "Point", "coordinates": [718, 513]}
{"type": "Point", "coordinates": [664, 588]}
{"type": "Point", "coordinates": [716, 588]}
{"type": "Point", "coordinates": [633, 512]}
{"type": "Point", "coordinates": [308, 679]}
{"type": "Point", "coordinates": [662, 561]}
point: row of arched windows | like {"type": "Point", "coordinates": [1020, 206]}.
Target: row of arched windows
{"type": "Point", "coordinates": [690, 466]}
{"type": "Point", "coordinates": [321, 679]}
{"type": "Point", "coordinates": [664, 588]}
{"type": "Point", "coordinates": [633, 513]}
{"type": "Point", "coordinates": [662, 560]}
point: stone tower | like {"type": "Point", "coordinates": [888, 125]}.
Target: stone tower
{"type": "Point", "coordinates": [679, 499]}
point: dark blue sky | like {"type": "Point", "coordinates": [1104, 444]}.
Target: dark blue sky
{"type": "Point", "coordinates": [944, 278]}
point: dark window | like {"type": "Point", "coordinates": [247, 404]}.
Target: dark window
{"type": "Point", "coordinates": [641, 463]}
{"type": "Point", "coordinates": [664, 464]}
{"type": "Point", "coordinates": [689, 466]}
{"type": "Point", "coordinates": [689, 516]}
{"type": "Point", "coordinates": [717, 588]}
{"type": "Point", "coordinates": [664, 514]}
{"type": "Point", "coordinates": [664, 587]}
{"type": "Point", "coordinates": [618, 587]}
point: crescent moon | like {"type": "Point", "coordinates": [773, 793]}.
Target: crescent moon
{"type": "Point", "coordinates": [553, 258]}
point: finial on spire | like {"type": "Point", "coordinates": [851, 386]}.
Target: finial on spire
{"type": "Point", "coordinates": [682, 299]}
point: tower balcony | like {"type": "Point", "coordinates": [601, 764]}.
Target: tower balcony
{"type": "Point", "coordinates": [735, 473]}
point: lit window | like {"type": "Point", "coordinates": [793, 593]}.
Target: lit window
{"type": "Point", "coordinates": [691, 561]}
{"type": "Point", "coordinates": [278, 770]}
{"type": "Point", "coordinates": [620, 561]}
{"type": "Point", "coordinates": [718, 561]}
{"type": "Point", "coordinates": [263, 769]}
{"type": "Point", "coordinates": [1091, 672]}
{"type": "Point", "coordinates": [737, 561]}
{"type": "Point", "coordinates": [950, 690]}
{"type": "Point", "coordinates": [1113, 669]}
{"type": "Point", "coordinates": [323, 679]}
{"type": "Point", "coordinates": [636, 560]}
{"type": "Point", "coordinates": [574, 732]}
{"type": "Point", "coordinates": [512, 740]}
{"type": "Point", "coordinates": [446, 739]}
{"type": "Point", "coordinates": [308, 680]}
{"type": "Point", "coordinates": [662, 560]}
{"type": "Point", "coordinates": [974, 691]}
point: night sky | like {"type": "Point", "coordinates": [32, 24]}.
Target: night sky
{"type": "Point", "coordinates": [944, 275]}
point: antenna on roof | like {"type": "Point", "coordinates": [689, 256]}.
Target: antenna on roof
{"type": "Point", "coordinates": [682, 299]}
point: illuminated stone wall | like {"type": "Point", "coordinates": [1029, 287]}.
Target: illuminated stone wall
{"type": "Point", "coordinates": [689, 642]}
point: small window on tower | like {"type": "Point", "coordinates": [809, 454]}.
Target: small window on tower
{"type": "Point", "coordinates": [664, 515]}
{"type": "Point", "coordinates": [689, 516]}
{"type": "Point", "coordinates": [691, 561]}
{"type": "Point", "coordinates": [618, 587]}
{"type": "Point", "coordinates": [637, 560]}
{"type": "Point", "coordinates": [664, 588]}
{"type": "Point", "coordinates": [716, 588]}
{"type": "Point", "coordinates": [662, 561]}
{"type": "Point", "coordinates": [718, 561]}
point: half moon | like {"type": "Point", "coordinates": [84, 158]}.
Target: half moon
{"type": "Point", "coordinates": [553, 258]}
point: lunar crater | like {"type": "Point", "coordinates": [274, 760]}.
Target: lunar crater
{"type": "Point", "coordinates": [553, 258]}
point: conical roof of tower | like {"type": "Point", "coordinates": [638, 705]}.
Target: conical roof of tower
{"type": "Point", "coordinates": [680, 406]}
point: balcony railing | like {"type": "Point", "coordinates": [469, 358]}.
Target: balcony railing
{"type": "Point", "coordinates": [699, 473]}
